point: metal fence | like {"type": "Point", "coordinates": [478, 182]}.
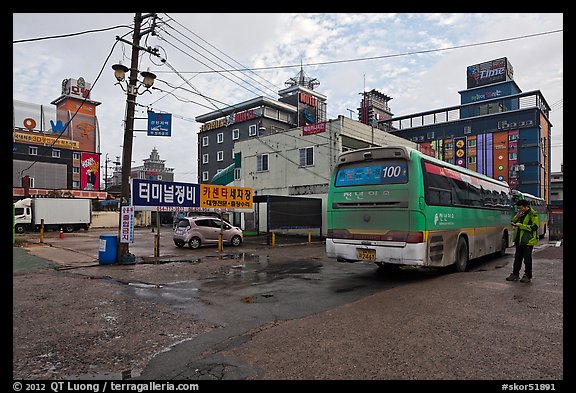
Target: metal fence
{"type": "Point", "coordinates": [556, 225]}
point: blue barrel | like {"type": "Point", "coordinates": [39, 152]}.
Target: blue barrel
{"type": "Point", "coordinates": [107, 249]}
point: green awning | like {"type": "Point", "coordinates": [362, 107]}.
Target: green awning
{"type": "Point", "coordinates": [226, 176]}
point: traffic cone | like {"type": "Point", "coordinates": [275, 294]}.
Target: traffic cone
{"type": "Point", "coordinates": [61, 234]}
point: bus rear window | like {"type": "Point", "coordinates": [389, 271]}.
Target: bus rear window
{"type": "Point", "coordinates": [367, 173]}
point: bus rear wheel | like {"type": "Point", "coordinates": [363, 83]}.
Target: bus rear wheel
{"type": "Point", "coordinates": [461, 255]}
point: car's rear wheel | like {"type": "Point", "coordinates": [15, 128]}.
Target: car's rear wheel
{"type": "Point", "coordinates": [236, 241]}
{"type": "Point", "coordinates": [194, 243]}
{"type": "Point", "coordinates": [179, 243]}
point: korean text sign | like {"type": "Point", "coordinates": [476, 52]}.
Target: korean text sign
{"type": "Point", "coordinates": [127, 224]}
{"type": "Point", "coordinates": [150, 193]}
{"type": "Point", "coordinates": [225, 197]}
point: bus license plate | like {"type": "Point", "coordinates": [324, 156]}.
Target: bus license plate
{"type": "Point", "coordinates": [366, 255]}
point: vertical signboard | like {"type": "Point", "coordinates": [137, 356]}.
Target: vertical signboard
{"type": "Point", "coordinates": [460, 151]}
{"type": "Point", "coordinates": [501, 156]}
{"type": "Point", "coordinates": [89, 171]}
{"type": "Point", "coordinates": [127, 224]}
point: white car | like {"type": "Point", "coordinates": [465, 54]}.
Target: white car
{"type": "Point", "coordinates": [203, 230]}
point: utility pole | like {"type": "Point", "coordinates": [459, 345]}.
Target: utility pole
{"type": "Point", "coordinates": [131, 94]}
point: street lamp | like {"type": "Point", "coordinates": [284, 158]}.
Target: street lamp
{"type": "Point", "coordinates": [148, 79]}
{"type": "Point", "coordinates": [131, 90]}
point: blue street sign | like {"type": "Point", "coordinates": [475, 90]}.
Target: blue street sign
{"type": "Point", "coordinates": [159, 124]}
{"type": "Point", "coordinates": [150, 193]}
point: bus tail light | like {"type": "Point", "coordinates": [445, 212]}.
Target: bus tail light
{"type": "Point", "coordinates": [404, 236]}
{"type": "Point", "coordinates": [391, 236]}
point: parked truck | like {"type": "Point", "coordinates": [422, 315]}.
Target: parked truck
{"type": "Point", "coordinates": [68, 214]}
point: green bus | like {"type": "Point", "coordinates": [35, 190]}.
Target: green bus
{"type": "Point", "coordinates": [397, 206]}
{"type": "Point", "coordinates": [538, 204]}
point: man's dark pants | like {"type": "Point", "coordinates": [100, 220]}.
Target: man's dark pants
{"type": "Point", "coordinates": [523, 253]}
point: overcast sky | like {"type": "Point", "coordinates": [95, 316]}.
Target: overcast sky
{"type": "Point", "coordinates": [334, 48]}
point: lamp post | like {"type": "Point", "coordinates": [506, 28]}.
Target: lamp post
{"type": "Point", "coordinates": [132, 86]}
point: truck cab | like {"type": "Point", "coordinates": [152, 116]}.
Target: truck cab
{"type": "Point", "coordinates": [22, 214]}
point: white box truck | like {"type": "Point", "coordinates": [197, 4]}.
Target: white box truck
{"type": "Point", "coordinates": [68, 214]}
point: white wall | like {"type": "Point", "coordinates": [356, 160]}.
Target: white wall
{"type": "Point", "coordinates": [286, 177]}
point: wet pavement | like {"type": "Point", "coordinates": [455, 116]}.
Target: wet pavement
{"type": "Point", "coordinates": [291, 313]}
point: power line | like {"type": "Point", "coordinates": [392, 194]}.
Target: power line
{"type": "Point", "coordinates": [79, 106]}
{"type": "Point", "coordinates": [237, 62]}
{"type": "Point", "coordinates": [387, 56]}
{"type": "Point", "coordinates": [70, 35]}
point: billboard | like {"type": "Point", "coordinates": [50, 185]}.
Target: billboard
{"type": "Point", "coordinates": [90, 171]}
{"type": "Point", "coordinates": [149, 194]}
{"type": "Point", "coordinates": [493, 71]}
{"type": "Point", "coordinates": [225, 197]}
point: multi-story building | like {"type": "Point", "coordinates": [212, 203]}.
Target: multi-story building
{"type": "Point", "coordinates": [497, 129]}
{"type": "Point", "coordinates": [298, 105]}
{"type": "Point", "coordinates": [57, 150]}
{"type": "Point", "coordinates": [153, 169]}
{"type": "Point", "coordinates": [289, 158]}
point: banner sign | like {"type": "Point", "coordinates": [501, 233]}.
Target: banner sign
{"type": "Point", "coordinates": [90, 171]}
{"type": "Point", "coordinates": [313, 129]}
{"type": "Point", "coordinates": [225, 197]}
{"type": "Point", "coordinates": [45, 140]}
{"type": "Point", "coordinates": [159, 124]}
{"type": "Point", "coordinates": [153, 193]}
{"type": "Point", "coordinates": [127, 224]}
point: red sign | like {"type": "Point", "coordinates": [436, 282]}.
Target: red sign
{"type": "Point", "coordinates": [313, 129]}
{"type": "Point", "coordinates": [90, 172]}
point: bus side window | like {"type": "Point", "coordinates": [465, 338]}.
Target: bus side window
{"type": "Point", "coordinates": [474, 195]}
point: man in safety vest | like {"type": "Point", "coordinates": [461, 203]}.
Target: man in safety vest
{"type": "Point", "coordinates": [525, 224]}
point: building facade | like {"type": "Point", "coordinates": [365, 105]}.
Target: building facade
{"type": "Point", "coordinates": [497, 129]}
{"type": "Point", "coordinates": [298, 105]}
{"type": "Point", "coordinates": [56, 150]}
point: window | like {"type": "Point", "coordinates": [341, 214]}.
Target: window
{"type": "Point", "coordinates": [205, 176]}
{"type": "Point", "coordinates": [55, 153]}
{"type": "Point", "coordinates": [33, 151]}
{"type": "Point", "coordinates": [513, 137]}
{"type": "Point", "coordinates": [205, 141]}
{"type": "Point", "coordinates": [235, 134]}
{"type": "Point", "coordinates": [467, 129]}
{"type": "Point", "coordinates": [512, 156]}
{"type": "Point", "coordinates": [76, 156]}
{"type": "Point", "coordinates": [204, 158]}
{"type": "Point", "coordinates": [471, 142]}
{"type": "Point", "coordinates": [75, 169]}
{"type": "Point", "coordinates": [262, 162]}
{"type": "Point", "coordinates": [31, 182]}
{"type": "Point", "coordinates": [220, 156]}
{"type": "Point", "coordinates": [220, 137]}
{"type": "Point", "coordinates": [236, 173]}
{"type": "Point", "coordinates": [471, 159]}
{"type": "Point", "coordinates": [75, 184]}
{"type": "Point", "coordinates": [306, 156]}
{"type": "Point", "coordinates": [252, 130]}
